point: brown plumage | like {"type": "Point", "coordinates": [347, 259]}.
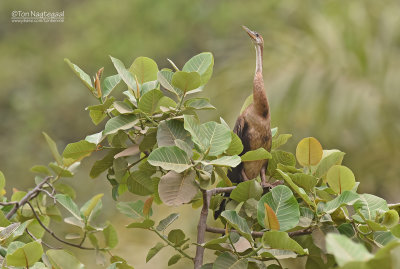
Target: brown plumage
{"type": "Point", "coordinates": [253, 125]}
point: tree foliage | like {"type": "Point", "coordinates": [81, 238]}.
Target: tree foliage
{"type": "Point", "coordinates": [156, 147]}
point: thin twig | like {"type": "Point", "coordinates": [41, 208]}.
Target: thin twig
{"type": "Point", "coordinates": [36, 239]}
{"type": "Point", "coordinates": [29, 196]}
{"type": "Point", "coordinates": [135, 163]}
{"type": "Point", "coordinates": [258, 234]}
{"type": "Point", "coordinates": [8, 203]}
{"type": "Point", "coordinates": [52, 233]}
{"type": "Point", "coordinates": [169, 243]}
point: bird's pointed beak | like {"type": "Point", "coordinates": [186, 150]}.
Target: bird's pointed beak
{"type": "Point", "coordinates": [249, 32]}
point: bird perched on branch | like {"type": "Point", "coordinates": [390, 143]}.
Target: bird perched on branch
{"type": "Point", "coordinates": [253, 125]}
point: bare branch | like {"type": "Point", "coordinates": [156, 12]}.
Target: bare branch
{"type": "Point", "coordinates": [29, 196]}
{"type": "Point", "coordinates": [258, 234]}
{"type": "Point", "coordinates": [201, 229]}
{"type": "Point", "coordinates": [36, 239]}
{"type": "Point", "coordinates": [52, 233]}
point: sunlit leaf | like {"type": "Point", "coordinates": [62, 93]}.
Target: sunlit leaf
{"type": "Point", "coordinates": [53, 148]}
{"type": "Point", "coordinates": [125, 75]}
{"type": "Point", "coordinates": [121, 122]}
{"type": "Point", "coordinates": [69, 204]}
{"type": "Point", "coordinates": [85, 78]}
{"type": "Point", "coordinates": [256, 155]}
{"type": "Point", "coordinates": [24, 255]}
{"type": "Point", "coordinates": [145, 69]}
{"type": "Point", "coordinates": [203, 64]}
{"type": "Point", "coordinates": [79, 150]}
{"type": "Point", "coordinates": [281, 240]}
{"type": "Point", "coordinates": [237, 223]}
{"type": "Point", "coordinates": [309, 151]}
{"type": "Point", "coordinates": [246, 190]}
{"type": "Point", "coordinates": [340, 178]}
{"type": "Point", "coordinates": [236, 146]}
{"type": "Point", "coordinates": [61, 259]}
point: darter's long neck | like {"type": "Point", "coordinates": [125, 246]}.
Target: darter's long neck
{"type": "Point", "coordinates": [259, 95]}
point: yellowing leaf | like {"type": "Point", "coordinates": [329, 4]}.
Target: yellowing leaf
{"type": "Point", "coordinates": [340, 178]}
{"type": "Point", "coordinates": [271, 220]}
{"type": "Point", "coordinates": [309, 151]}
{"type": "Point", "coordinates": [147, 206]}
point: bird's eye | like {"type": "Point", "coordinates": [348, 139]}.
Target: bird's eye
{"type": "Point", "coordinates": [257, 35]}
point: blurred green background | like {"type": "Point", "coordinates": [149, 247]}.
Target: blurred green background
{"type": "Point", "coordinates": [331, 71]}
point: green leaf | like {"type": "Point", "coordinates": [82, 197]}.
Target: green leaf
{"type": "Point", "coordinates": [345, 250]}
{"type": "Point", "coordinates": [368, 205]}
{"type": "Point", "coordinates": [36, 168]}
{"type": "Point", "coordinates": [346, 198]}
{"type": "Point", "coordinates": [145, 69]}
{"type": "Point", "coordinates": [383, 238]}
{"type": "Point", "coordinates": [149, 102]}
{"type": "Point", "coordinates": [340, 178]}
{"type": "Point", "coordinates": [281, 240]}
{"type": "Point", "coordinates": [153, 251]}
{"type": "Point", "coordinates": [228, 261]}
{"type": "Point", "coordinates": [140, 183]}
{"type": "Point", "coordinates": [280, 140]}
{"type": "Point", "coordinates": [229, 161]}
{"type": "Point", "coordinates": [121, 122]}
{"type": "Point", "coordinates": [176, 189]}
{"type": "Point", "coordinates": [88, 207]}
{"type": "Point", "coordinates": [279, 157]}
{"type": "Point", "coordinates": [68, 204]}
{"type": "Point", "coordinates": [284, 204]}
{"type": "Point", "coordinates": [165, 79]}
{"type": "Point", "coordinates": [53, 148]}
{"type": "Point", "coordinates": [60, 171]}
{"type": "Point", "coordinates": [170, 130]}
{"type": "Point", "coordinates": [125, 75]}
{"type": "Point", "coordinates": [9, 230]}
{"type": "Point", "coordinates": [237, 223]}
{"type": "Point", "coordinates": [61, 259]}
{"type": "Point", "coordinates": [309, 152]}
{"type": "Point", "coordinates": [305, 181]}
{"type": "Point", "coordinates": [109, 83]}
{"type": "Point", "coordinates": [390, 218]}
{"type": "Point", "coordinates": [256, 155]}
{"type": "Point", "coordinates": [36, 229]}
{"type": "Point", "coordinates": [170, 158]}
{"type": "Point", "coordinates": [296, 188]}
{"type": "Point", "coordinates": [199, 103]}
{"type": "Point", "coordinates": [85, 78]}
{"type": "Point", "coordinates": [236, 146]}
{"type": "Point", "coordinates": [133, 210]}
{"type": "Point", "coordinates": [186, 81]}
{"type": "Point", "coordinates": [79, 150]}
{"type": "Point", "coordinates": [25, 255]}
{"type": "Point", "coordinates": [176, 237]}
{"type": "Point", "coordinates": [167, 221]}
{"type": "Point", "coordinates": [102, 165]}
{"type": "Point", "coordinates": [174, 259]}
{"type": "Point", "coordinates": [329, 158]}
{"type": "Point", "coordinates": [246, 190]}
{"type": "Point", "coordinates": [146, 224]}
{"type": "Point", "coordinates": [110, 236]}
{"type": "Point", "coordinates": [203, 64]}
{"type": "Point", "coordinates": [210, 136]}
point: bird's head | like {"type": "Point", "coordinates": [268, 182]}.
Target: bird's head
{"type": "Point", "coordinates": [256, 37]}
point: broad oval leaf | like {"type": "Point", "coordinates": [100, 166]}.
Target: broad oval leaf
{"type": "Point", "coordinates": [165, 79]}
{"type": "Point", "coordinates": [110, 236]}
{"type": "Point", "coordinates": [203, 64]}
{"type": "Point", "coordinates": [25, 255]}
{"type": "Point", "coordinates": [133, 210]}
{"type": "Point", "coordinates": [149, 102]}
{"type": "Point", "coordinates": [85, 78]}
{"type": "Point", "coordinates": [79, 150]}
{"type": "Point", "coordinates": [236, 146]}
{"type": "Point", "coordinates": [238, 223]}
{"type": "Point", "coordinates": [53, 148]}
{"type": "Point", "coordinates": [281, 240]}
{"type": "Point", "coordinates": [309, 151]}
{"type": "Point", "coordinates": [345, 250]}
{"type": "Point", "coordinates": [88, 207]}
{"type": "Point", "coordinates": [61, 259]}
{"type": "Point", "coordinates": [199, 103]}
{"type": "Point", "coordinates": [284, 205]}
{"type": "Point", "coordinates": [186, 81]}
{"type": "Point", "coordinates": [69, 204]}
{"type": "Point", "coordinates": [164, 223]}
{"type": "Point", "coordinates": [144, 69]}
{"type": "Point", "coordinates": [280, 140]}
{"type": "Point", "coordinates": [230, 161]}
{"type": "Point", "coordinates": [121, 122]}
{"type": "Point", "coordinates": [368, 205]}
{"type": "Point", "coordinates": [256, 155]}
{"type": "Point", "coordinates": [177, 189]}
{"type": "Point", "coordinates": [340, 178]}
{"type": "Point", "coordinates": [146, 224]}
{"type": "Point", "coordinates": [170, 130]}
{"type": "Point", "coordinates": [109, 83]}
{"type": "Point", "coordinates": [229, 261]}
{"type": "Point", "coordinates": [346, 198]}
{"type": "Point", "coordinates": [125, 75]}
{"type": "Point", "coordinates": [329, 158]}
{"type": "Point", "coordinates": [170, 158]}
{"type": "Point", "coordinates": [140, 183]}
{"type": "Point", "coordinates": [153, 251]}
{"type": "Point", "coordinates": [246, 190]}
